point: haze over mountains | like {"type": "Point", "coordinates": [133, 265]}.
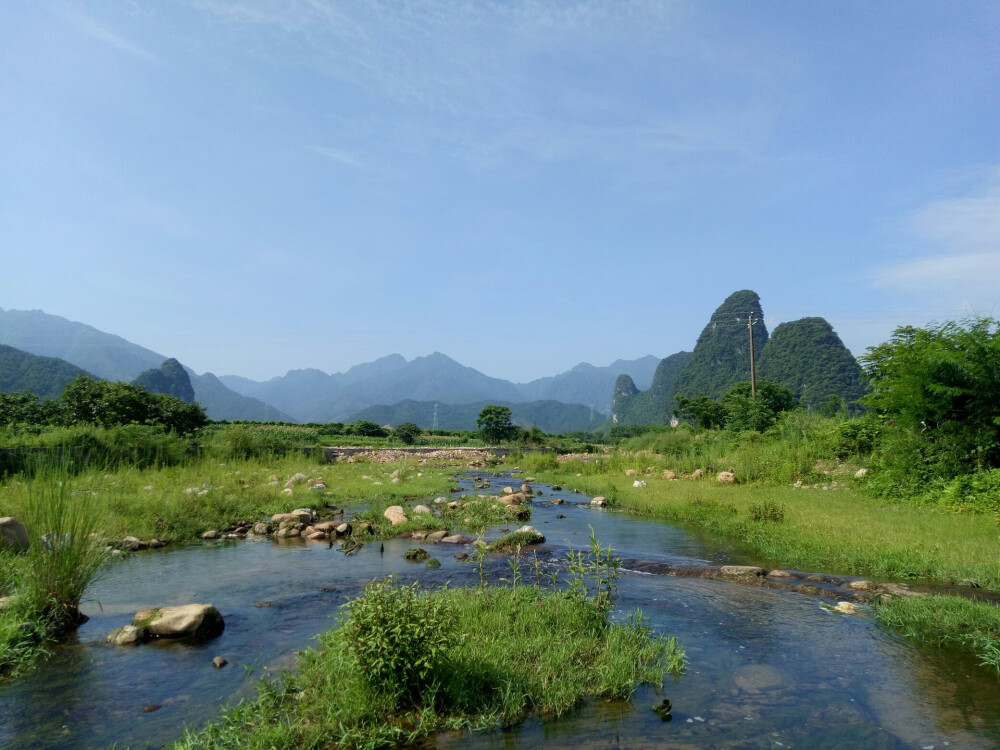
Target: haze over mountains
{"type": "Point", "coordinates": [311, 395]}
{"type": "Point", "coordinates": [806, 356]}
{"type": "Point", "coordinates": [315, 396]}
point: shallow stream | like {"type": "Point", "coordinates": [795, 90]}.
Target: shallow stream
{"type": "Point", "coordinates": [767, 668]}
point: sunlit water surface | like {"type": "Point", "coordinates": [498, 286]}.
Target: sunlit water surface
{"type": "Point", "coordinates": [767, 669]}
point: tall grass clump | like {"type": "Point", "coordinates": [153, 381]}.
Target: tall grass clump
{"type": "Point", "coordinates": [944, 620]}
{"type": "Point", "coordinates": [65, 552]}
{"type": "Point", "coordinates": [406, 663]}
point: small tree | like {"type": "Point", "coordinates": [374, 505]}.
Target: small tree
{"type": "Point", "coordinates": [707, 412]}
{"type": "Point", "coordinates": [745, 411]}
{"type": "Point", "coordinates": [407, 432]}
{"type": "Point", "coordinates": [494, 424]}
{"type": "Point", "coordinates": [367, 428]}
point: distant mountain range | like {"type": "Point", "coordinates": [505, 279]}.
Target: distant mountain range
{"type": "Point", "coordinates": [311, 395]}
{"type": "Point", "coordinates": [315, 396]}
{"type": "Point", "coordinates": [113, 358]}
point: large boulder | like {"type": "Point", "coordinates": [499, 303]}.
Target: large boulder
{"type": "Point", "coordinates": [198, 620]}
{"type": "Point", "coordinates": [13, 534]}
{"type": "Point", "coordinates": [394, 514]}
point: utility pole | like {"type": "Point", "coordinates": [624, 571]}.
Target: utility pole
{"type": "Point", "coordinates": [753, 369]}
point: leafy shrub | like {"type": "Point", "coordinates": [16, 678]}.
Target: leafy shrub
{"type": "Point", "coordinates": [400, 636]}
{"type": "Point", "coordinates": [974, 492]}
{"type": "Point", "coordinates": [407, 432]}
{"type": "Point", "coordinates": [768, 510]}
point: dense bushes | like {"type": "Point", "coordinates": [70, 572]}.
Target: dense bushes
{"type": "Point", "coordinates": [103, 404]}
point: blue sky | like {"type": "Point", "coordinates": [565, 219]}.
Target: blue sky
{"type": "Point", "coordinates": [253, 187]}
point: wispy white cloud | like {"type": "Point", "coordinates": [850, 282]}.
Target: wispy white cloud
{"type": "Point", "coordinates": [101, 33]}
{"type": "Point", "coordinates": [495, 81]}
{"type": "Point", "coordinates": [343, 157]}
{"type": "Point", "coordinates": [964, 233]}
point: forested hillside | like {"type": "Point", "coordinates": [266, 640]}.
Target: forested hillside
{"type": "Point", "coordinates": [808, 358]}
{"type": "Point", "coordinates": [46, 377]}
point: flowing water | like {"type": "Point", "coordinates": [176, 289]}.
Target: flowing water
{"type": "Point", "coordinates": [767, 668]}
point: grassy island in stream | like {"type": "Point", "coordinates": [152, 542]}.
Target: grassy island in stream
{"type": "Point", "coordinates": [406, 663]}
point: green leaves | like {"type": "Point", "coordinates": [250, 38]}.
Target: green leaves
{"type": "Point", "coordinates": [939, 388]}
{"type": "Point", "coordinates": [494, 424]}
{"type": "Point", "coordinates": [398, 635]}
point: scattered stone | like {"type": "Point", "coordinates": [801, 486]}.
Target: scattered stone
{"type": "Point", "coordinates": [133, 543]}
{"type": "Point", "coordinates": [436, 536]}
{"type": "Point", "coordinates": [298, 478]}
{"type": "Point", "coordinates": [151, 707]}
{"type": "Point", "coordinates": [262, 605]}
{"type": "Point", "coordinates": [461, 555]}
{"type": "Point", "coordinates": [560, 515]}
{"type": "Point", "coordinates": [454, 505]}
{"type": "Point", "coordinates": [440, 500]}
{"type": "Point", "coordinates": [780, 574]}
{"type": "Point", "coordinates": [157, 543]}
{"type": "Point", "coordinates": [219, 662]}
{"type": "Point", "coordinates": [129, 635]}
{"type": "Point", "coordinates": [210, 534]}
{"type": "Point", "coordinates": [860, 473]}
{"type": "Point", "coordinates": [343, 529]}
{"type": "Point", "coordinates": [318, 486]}
{"type": "Point", "coordinates": [416, 554]}
{"type": "Point", "coordinates": [669, 474]}
{"type": "Point", "coordinates": [261, 529]}
{"type": "Point", "coordinates": [272, 478]}
{"type": "Point", "coordinates": [394, 514]}
{"type": "Point", "coordinates": [599, 502]}
{"type": "Point", "coordinates": [526, 489]}
{"type": "Point", "coordinates": [13, 534]}
{"type": "Point", "coordinates": [662, 709]}
{"type": "Point", "coordinates": [199, 620]}
{"type": "Point", "coordinates": [453, 539]}
{"type": "Point", "coordinates": [631, 472]}
{"type": "Point", "coordinates": [421, 509]}
{"type": "Point", "coordinates": [296, 516]}
{"type": "Point", "coordinates": [638, 483]}
{"type": "Point", "coordinates": [558, 501]}
{"type": "Point", "coordinates": [315, 536]}
{"type": "Point", "coordinates": [740, 571]}
{"type": "Point", "coordinates": [898, 589]}
{"type": "Point", "coordinates": [432, 563]}
{"type": "Point", "coordinates": [861, 585]}
{"type": "Point", "coordinates": [847, 608]}
{"type": "Point", "coordinates": [529, 479]}
{"type": "Point", "coordinates": [508, 490]}
{"type": "Point", "coordinates": [556, 488]}
{"type": "Point", "coordinates": [696, 474]}
{"type": "Point", "coordinates": [289, 484]}
{"type": "Point", "coordinates": [287, 491]}
{"type": "Point", "coordinates": [725, 477]}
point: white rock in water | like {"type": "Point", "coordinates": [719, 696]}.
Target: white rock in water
{"type": "Point", "coordinates": [202, 620]}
